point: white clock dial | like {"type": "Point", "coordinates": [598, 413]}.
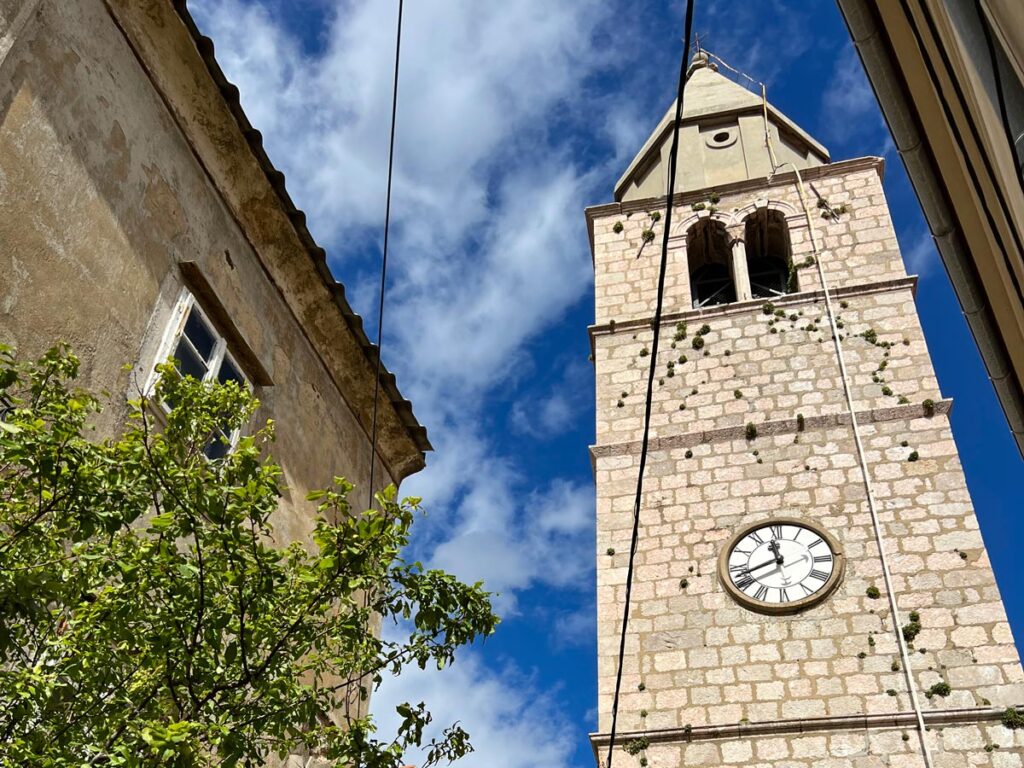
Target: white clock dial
{"type": "Point", "coordinates": [781, 564]}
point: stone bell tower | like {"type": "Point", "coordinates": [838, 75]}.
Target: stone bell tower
{"type": "Point", "coordinates": [811, 587]}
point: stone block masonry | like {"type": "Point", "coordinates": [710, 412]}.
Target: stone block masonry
{"type": "Point", "coordinates": [750, 422]}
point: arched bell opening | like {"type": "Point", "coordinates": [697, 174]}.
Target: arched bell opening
{"type": "Point", "coordinates": [769, 256]}
{"type": "Point", "coordinates": [708, 256]}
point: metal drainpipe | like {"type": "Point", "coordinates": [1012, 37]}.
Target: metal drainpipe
{"type": "Point", "coordinates": [874, 54]}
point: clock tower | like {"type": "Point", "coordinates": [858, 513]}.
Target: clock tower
{"type": "Point", "coordinates": [810, 585]}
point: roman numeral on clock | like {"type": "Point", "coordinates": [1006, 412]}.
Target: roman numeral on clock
{"type": "Point", "coordinates": [823, 558]}
{"type": "Point", "coordinates": [762, 593]}
{"type": "Point", "coordinates": [783, 595]}
{"type": "Point", "coordinates": [815, 543]}
{"type": "Point", "coordinates": [744, 581]}
{"type": "Point", "coordinates": [776, 531]}
{"type": "Point", "coordinates": [755, 537]}
{"type": "Point", "coordinates": [816, 574]}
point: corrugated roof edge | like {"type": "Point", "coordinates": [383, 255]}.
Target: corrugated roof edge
{"type": "Point", "coordinates": [403, 407]}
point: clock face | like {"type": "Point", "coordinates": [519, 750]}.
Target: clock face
{"type": "Point", "coordinates": [780, 565]}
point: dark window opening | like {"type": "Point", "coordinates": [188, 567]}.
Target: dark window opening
{"type": "Point", "coordinates": [766, 236]}
{"type": "Point", "coordinates": [709, 254]}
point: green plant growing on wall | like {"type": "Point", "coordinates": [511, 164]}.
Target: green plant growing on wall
{"type": "Point", "coordinates": [737, 394]}
{"type": "Point", "coordinates": [914, 456]}
{"type": "Point", "coordinates": [637, 745]}
{"type": "Point", "coordinates": [768, 308]}
{"type": "Point", "coordinates": [610, 551]}
{"type": "Point", "coordinates": [912, 628]}
{"type": "Point", "coordinates": [1013, 719]}
{"type": "Point", "coordinates": [750, 431]}
{"type": "Point", "coordinates": [873, 592]}
{"type": "Point", "coordinates": [895, 666]}
{"type": "Point", "coordinates": [929, 407]}
{"type": "Point", "coordinates": [150, 618]}
{"type": "Point", "coordinates": [688, 454]}
{"type": "Point", "coordinates": [680, 332]}
{"type": "Point", "coordinates": [655, 217]}
{"type": "Point", "coordinates": [939, 689]}
{"type": "Point", "coordinates": [644, 352]}
{"type": "Point", "coordinates": [698, 342]}
{"type": "Point", "coordinates": [647, 236]}
{"type": "Point", "coordinates": [801, 423]}
{"type": "Point", "coordinates": [617, 227]}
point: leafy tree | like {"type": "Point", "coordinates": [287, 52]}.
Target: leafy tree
{"type": "Point", "coordinates": [149, 618]}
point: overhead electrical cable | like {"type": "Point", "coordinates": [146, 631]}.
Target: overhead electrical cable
{"type": "Point", "coordinates": [656, 323]}
{"type": "Point", "coordinates": [384, 256]}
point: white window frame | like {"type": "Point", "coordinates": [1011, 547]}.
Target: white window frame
{"type": "Point", "coordinates": [183, 308]}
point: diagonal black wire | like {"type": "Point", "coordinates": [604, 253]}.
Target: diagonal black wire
{"type": "Point", "coordinates": [672, 161]}
{"type": "Point", "coordinates": [384, 258]}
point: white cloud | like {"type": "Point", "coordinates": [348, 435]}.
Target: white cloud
{"type": "Point", "coordinates": [576, 628]}
{"type": "Point", "coordinates": [489, 249]}
{"type": "Point", "coordinates": [513, 538]}
{"type": "Point", "coordinates": [849, 104]}
{"type": "Point", "coordinates": [512, 719]}
{"type": "Point", "coordinates": [921, 257]}
{"type": "Point", "coordinates": [545, 417]}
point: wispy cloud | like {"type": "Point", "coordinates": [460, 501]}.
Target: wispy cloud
{"type": "Point", "coordinates": [849, 107]}
{"type": "Point", "coordinates": [920, 254]}
{"type": "Point", "coordinates": [514, 720]}
{"type": "Point", "coordinates": [490, 250]}
{"type": "Point", "coordinates": [761, 39]}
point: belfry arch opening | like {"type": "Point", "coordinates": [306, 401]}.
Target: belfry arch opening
{"type": "Point", "coordinates": [766, 237]}
{"type": "Point", "coordinates": [708, 257]}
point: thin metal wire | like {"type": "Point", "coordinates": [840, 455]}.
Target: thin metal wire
{"type": "Point", "coordinates": [384, 257]}
{"type": "Point", "coordinates": [861, 456]}
{"type": "Point", "coordinates": [672, 163]}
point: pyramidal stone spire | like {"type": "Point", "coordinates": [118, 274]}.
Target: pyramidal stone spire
{"type": "Point", "coordinates": [721, 139]}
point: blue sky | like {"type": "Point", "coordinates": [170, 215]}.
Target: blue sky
{"type": "Point", "coordinates": [513, 116]}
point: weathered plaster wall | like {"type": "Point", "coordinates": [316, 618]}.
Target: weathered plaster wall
{"type": "Point", "coordinates": [101, 198]}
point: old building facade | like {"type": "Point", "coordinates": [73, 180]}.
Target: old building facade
{"type": "Point", "coordinates": [140, 218]}
{"type": "Point", "coordinates": [762, 629]}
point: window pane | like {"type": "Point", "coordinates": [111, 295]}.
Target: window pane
{"type": "Point", "coordinates": [189, 363]}
{"type": "Point", "coordinates": [218, 447]}
{"type": "Point", "coordinates": [228, 372]}
{"type": "Point", "coordinates": [200, 334]}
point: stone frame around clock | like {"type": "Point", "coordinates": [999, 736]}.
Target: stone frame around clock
{"type": "Point", "coordinates": [775, 609]}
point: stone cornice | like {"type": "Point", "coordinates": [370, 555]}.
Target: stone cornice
{"type": "Point", "coordinates": [768, 428]}
{"type": "Point", "coordinates": [747, 185]}
{"type": "Point", "coordinates": [932, 718]}
{"type": "Point", "coordinates": [755, 305]}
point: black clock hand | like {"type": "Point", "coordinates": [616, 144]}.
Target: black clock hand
{"type": "Point", "coordinates": [762, 565]}
{"type": "Point", "coordinates": [774, 547]}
